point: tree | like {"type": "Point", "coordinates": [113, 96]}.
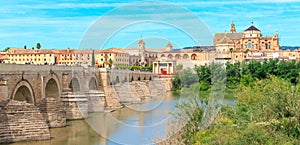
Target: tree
{"type": "Point", "coordinates": [246, 51]}
{"type": "Point", "coordinates": [6, 49]}
{"type": "Point", "coordinates": [25, 47]}
{"type": "Point", "coordinates": [110, 62]}
{"type": "Point", "coordinates": [231, 51]}
{"type": "Point", "coordinates": [93, 58]}
{"type": "Point", "coordinates": [38, 45]}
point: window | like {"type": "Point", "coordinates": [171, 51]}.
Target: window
{"type": "Point", "coordinates": [249, 45]}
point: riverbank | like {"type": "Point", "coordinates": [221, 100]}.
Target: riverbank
{"type": "Point", "coordinates": [267, 112]}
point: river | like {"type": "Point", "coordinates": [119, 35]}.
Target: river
{"type": "Point", "coordinates": [133, 124]}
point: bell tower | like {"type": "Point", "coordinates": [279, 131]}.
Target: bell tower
{"type": "Point", "coordinates": [141, 47]}
{"type": "Point", "coordinates": [232, 29]}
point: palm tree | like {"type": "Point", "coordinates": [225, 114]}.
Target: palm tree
{"type": "Point", "coordinates": [246, 51]}
{"type": "Point", "coordinates": [38, 45]}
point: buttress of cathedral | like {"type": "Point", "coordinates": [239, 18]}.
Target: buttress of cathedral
{"type": "Point", "coordinates": [251, 40]}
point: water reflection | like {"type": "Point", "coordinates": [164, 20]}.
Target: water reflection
{"type": "Point", "coordinates": [76, 133]}
{"type": "Point", "coordinates": [132, 126]}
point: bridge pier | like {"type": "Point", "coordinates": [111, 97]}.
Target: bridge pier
{"type": "Point", "coordinates": [54, 112]}
{"type": "Point", "coordinates": [96, 101]}
{"type": "Point", "coordinates": [76, 105]}
{"type": "Point", "coordinates": [21, 121]}
{"type": "Point", "coordinates": [3, 90]}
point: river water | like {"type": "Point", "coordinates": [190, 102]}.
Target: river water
{"type": "Point", "coordinates": [133, 124]}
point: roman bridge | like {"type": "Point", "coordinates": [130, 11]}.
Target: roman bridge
{"type": "Point", "coordinates": [60, 91]}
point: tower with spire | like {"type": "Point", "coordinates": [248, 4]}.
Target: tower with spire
{"type": "Point", "coordinates": [232, 29]}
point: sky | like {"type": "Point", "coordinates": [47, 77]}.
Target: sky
{"type": "Point", "coordinates": [97, 24]}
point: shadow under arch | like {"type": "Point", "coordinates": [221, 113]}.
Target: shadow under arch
{"type": "Point", "coordinates": [132, 79]}
{"type": "Point", "coordinates": [92, 84]}
{"type": "Point", "coordinates": [74, 85]}
{"type": "Point", "coordinates": [23, 92]}
{"type": "Point", "coordinates": [117, 80]}
{"type": "Point", "coordinates": [52, 89]}
{"type": "Point", "coordinates": [125, 80]}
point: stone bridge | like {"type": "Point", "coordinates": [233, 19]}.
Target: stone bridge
{"type": "Point", "coordinates": [58, 92]}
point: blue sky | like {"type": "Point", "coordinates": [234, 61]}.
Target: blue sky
{"type": "Point", "coordinates": [64, 23]}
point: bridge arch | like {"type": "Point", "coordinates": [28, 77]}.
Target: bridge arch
{"type": "Point", "coordinates": [52, 87]}
{"type": "Point", "coordinates": [117, 80]}
{"type": "Point", "coordinates": [74, 85]}
{"type": "Point", "coordinates": [125, 80]}
{"type": "Point", "coordinates": [23, 91]}
{"type": "Point", "coordinates": [93, 84]}
{"type": "Point", "coordinates": [132, 79]}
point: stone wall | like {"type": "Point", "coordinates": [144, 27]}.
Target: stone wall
{"type": "Point", "coordinates": [137, 91]}
{"type": "Point", "coordinates": [20, 121]}
{"type": "Point", "coordinates": [140, 89]}
{"type": "Point", "coordinates": [54, 112]}
{"type": "Point", "coordinates": [112, 99]}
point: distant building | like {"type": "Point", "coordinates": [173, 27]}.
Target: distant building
{"type": "Point", "coordinates": [251, 39]}
{"type": "Point", "coordinates": [67, 57]}
{"type": "Point", "coordinates": [30, 56]}
{"type": "Point", "coordinates": [103, 58]}
{"type": "Point", "coordinates": [239, 46]}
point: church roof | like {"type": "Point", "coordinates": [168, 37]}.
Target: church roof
{"type": "Point", "coordinates": [252, 28]}
{"type": "Point", "coordinates": [220, 36]}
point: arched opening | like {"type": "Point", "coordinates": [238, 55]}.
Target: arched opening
{"type": "Point", "coordinates": [51, 90]}
{"type": "Point", "coordinates": [193, 57]}
{"type": "Point", "coordinates": [92, 84]}
{"type": "Point", "coordinates": [177, 57]}
{"type": "Point", "coordinates": [162, 56]}
{"type": "Point", "coordinates": [145, 78]}
{"type": "Point", "coordinates": [185, 56]}
{"type": "Point", "coordinates": [132, 79]}
{"type": "Point", "coordinates": [170, 56]}
{"type": "Point", "coordinates": [23, 94]}
{"type": "Point", "coordinates": [150, 78]}
{"type": "Point", "coordinates": [117, 80]}
{"type": "Point", "coordinates": [139, 78]}
{"type": "Point", "coordinates": [74, 85]}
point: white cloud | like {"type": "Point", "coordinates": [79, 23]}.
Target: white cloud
{"type": "Point", "coordinates": [70, 5]}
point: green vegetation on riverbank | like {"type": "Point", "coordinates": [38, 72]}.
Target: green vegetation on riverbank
{"type": "Point", "coordinates": [266, 111]}
{"type": "Point", "coordinates": [238, 73]}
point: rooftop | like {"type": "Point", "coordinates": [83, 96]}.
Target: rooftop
{"type": "Point", "coordinates": [252, 28]}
